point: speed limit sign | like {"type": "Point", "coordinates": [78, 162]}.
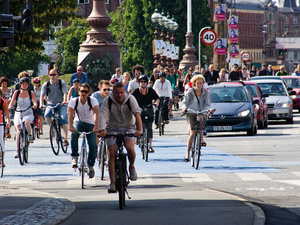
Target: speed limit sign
{"type": "Point", "coordinates": [209, 37]}
{"type": "Point", "coordinates": [245, 56]}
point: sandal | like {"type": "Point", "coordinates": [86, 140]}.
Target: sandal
{"type": "Point", "coordinates": [186, 159]}
{"type": "Point", "coordinates": [151, 150]}
{"type": "Point", "coordinates": [203, 144]}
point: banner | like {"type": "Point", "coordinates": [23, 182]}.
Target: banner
{"type": "Point", "coordinates": [220, 12]}
{"type": "Point", "coordinates": [233, 35]}
{"type": "Point", "coordinates": [220, 46]}
{"type": "Point", "coordinates": [234, 51]}
{"type": "Point", "coordinates": [233, 23]}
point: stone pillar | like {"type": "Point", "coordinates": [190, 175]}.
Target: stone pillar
{"type": "Point", "coordinates": [189, 59]}
{"type": "Point", "coordinates": [172, 40]}
{"type": "Point", "coordinates": [163, 58]}
{"type": "Point", "coordinates": [156, 56]}
{"type": "Point", "coordinates": [168, 60]}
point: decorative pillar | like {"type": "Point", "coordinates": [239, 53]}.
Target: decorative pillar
{"type": "Point", "coordinates": [168, 60]}
{"type": "Point", "coordinates": [156, 56]}
{"type": "Point", "coordinates": [173, 39]}
{"type": "Point", "coordinates": [163, 58]}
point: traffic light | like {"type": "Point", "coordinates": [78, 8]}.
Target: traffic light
{"type": "Point", "coordinates": [281, 51]}
{"type": "Point", "coordinates": [264, 52]}
{"type": "Point", "coordinates": [27, 18]}
{"type": "Point", "coordinates": [7, 30]}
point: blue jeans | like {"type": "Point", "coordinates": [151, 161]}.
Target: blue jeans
{"type": "Point", "coordinates": [164, 104]}
{"type": "Point", "coordinates": [91, 140]}
{"type": "Point", "coordinates": [62, 111]}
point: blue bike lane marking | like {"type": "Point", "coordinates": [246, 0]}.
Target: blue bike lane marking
{"type": "Point", "coordinates": [170, 152]}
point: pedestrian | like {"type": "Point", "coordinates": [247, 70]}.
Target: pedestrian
{"type": "Point", "coordinates": [263, 71]}
{"type": "Point", "coordinates": [297, 71]}
{"type": "Point", "coordinates": [74, 90]}
{"type": "Point", "coordinates": [245, 74]}
{"type": "Point", "coordinates": [80, 75]}
{"type": "Point", "coordinates": [212, 75]}
{"type": "Point", "coordinates": [188, 76]}
{"type": "Point", "coordinates": [223, 75]}
{"type": "Point", "coordinates": [270, 70]}
{"type": "Point", "coordinates": [117, 75]}
{"type": "Point", "coordinates": [125, 80]}
{"type": "Point", "coordinates": [253, 71]}
{"type": "Point", "coordinates": [154, 77]}
{"type": "Point", "coordinates": [138, 70]}
{"type": "Point", "coordinates": [282, 71]}
{"type": "Point", "coordinates": [235, 75]}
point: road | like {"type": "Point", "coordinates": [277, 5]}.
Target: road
{"type": "Point", "coordinates": [263, 169]}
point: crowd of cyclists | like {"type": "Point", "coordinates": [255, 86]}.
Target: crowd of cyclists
{"type": "Point", "coordinates": [114, 108]}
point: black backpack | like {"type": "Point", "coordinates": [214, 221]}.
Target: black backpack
{"type": "Point", "coordinates": [76, 105]}
{"type": "Point", "coordinates": [60, 87]}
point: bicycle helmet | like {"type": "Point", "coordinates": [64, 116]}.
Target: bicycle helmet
{"type": "Point", "coordinates": [162, 74]}
{"type": "Point", "coordinates": [37, 79]}
{"type": "Point", "coordinates": [143, 77]}
{"type": "Point", "coordinates": [25, 80]}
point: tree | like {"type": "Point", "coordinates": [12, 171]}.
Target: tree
{"type": "Point", "coordinates": [133, 29]}
{"type": "Point", "coordinates": [68, 40]}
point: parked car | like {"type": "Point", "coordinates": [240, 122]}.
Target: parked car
{"type": "Point", "coordinates": [280, 106]}
{"type": "Point", "coordinates": [293, 84]}
{"type": "Point", "coordinates": [235, 110]}
{"type": "Point", "coordinates": [256, 93]}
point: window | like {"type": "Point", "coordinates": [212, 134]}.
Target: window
{"type": "Point", "coordinates": [106, 1]}
{"type": "Point", "coordinates": [295, 20]}
{"type": "Point", "coordinates": [83, 1]}
{"type": "Point", "coordinates": [295, 54]}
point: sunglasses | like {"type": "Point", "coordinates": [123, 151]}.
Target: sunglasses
{"type": "Point", "coordinates": [143, 81]}
{"type": "Point", "coordinates": [79, 70]}
{"type": "Point", "coordinates": [52, 74]}
{"type": "Point", "coordinates": [105, 89]}
{"type": "Point", "coordinates": [36, 82]}
{"type": "Point", "coordinates": [138, 73]}
{"type": "Point", "coordinates": [83, 91]}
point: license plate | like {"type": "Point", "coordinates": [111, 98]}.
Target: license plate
{"type": "Point", "coordinates": [222, 128]}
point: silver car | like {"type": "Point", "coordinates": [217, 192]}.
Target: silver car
{"type": "Point", "coordinates": [280, 106]}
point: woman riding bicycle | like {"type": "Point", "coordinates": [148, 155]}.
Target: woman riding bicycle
{"type": "Point", "coordinates": [197, 99]}
{"type": "Point", "coordinates": [37, 90]}
{"type": "Point", "coordinates": [24, 97]}
{"type": "Point", "coordinates": [144, 96]}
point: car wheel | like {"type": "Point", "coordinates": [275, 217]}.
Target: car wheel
{"type": "Point", "coordinates": [266, 123]}
{"type": "Point", "coordinates": [290, 120]}
{"type": "Point", "coordinates": [261, 124]}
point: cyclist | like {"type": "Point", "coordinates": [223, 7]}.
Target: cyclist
{"type": "Point", "coordinates": [120, 113]}
{"type": "Point", "coordinates": [172, 80]}
{"type": "Point", "coordinates": [3, 110]}
{"type": "Point", "coordinates": [197, 99]}
{"type": "Point", "coordinates": [73, 92]}
{"type": "Point", "coordinates": [24, 99]}
{"type": "Point", "coordinates": [56, 91]}
{"type": "Point", "coordinates": [144, 96]}
{"type": "Point", "coordinates": [163, 89]}
{"type": "Point", "coordinates": [37, 90]}
{"type": "Point", "coordinates": [86, 119]}
{"type": "Point", "coordinates": [137, 70]}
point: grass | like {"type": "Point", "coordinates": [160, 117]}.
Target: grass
{"type": "Point", "coordinates": [65, 77]}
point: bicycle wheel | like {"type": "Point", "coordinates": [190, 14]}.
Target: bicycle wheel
{"type": "Point", "coordinates": [175, 105]}
{"type": "Point", "coordinates": [21, 148]}
{"type": "Point", "coordinates": [141, 144]}
{"type": "Point", "coordinates": [102, 158]}
{"type": "Point", "coordinates": [61, 140]}
{"type": "Point", "coordinates": [37, 132]}
{"type": "Point", "coordinates": [1, 161]}
{"type": "Point", "coordinates": [82, 166]}
{"type": "Point", "coordinates": [121, 185]}
{"type": "Point", "coordinates": [25, 151]}
{"type": "Point", "coordinates": [192, 151]}
{"type": "Point", "coordinates": [54, 140]}
{"type": "Point", "coordinates": [146, 145]}
{"type": "Point", "coordinates": [197, 150]}
{"type": "Point", "coordinates": [160, 122]}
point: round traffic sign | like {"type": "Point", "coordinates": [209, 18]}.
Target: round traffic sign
{"type": "Point", "coordinates": [245, 56]}
{"type": "Point", "coordinates": [209, 37]}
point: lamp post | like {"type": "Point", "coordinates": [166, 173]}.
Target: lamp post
{"type": "Point", "coordinates": [170, 25]}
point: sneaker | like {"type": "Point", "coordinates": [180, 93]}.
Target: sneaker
{"type": "Point", "coordinates": [167, 122]}
{"type": "Point", "coordinates": [17, 154]}
{"type": "Point", "coordinates": [91, 172]}
{"type": "Point", "coordinates": [8, 135]}
{"type": "Point", "coordinates": [66, 143]}
{"type": "Point", "coordinates": [74, 161]}
{"type": "Point", "coordinates": [112, 188]}
{"type": "Point", "coordinates": [133, 174]}
{"type": "Point", "coordinates": [30, 139]}
{"type": "Point", "coordinates": [156, 126]}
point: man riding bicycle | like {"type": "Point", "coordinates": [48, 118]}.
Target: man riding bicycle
{"type": "Point", "coordinates": [120, 113]}
{"type": "Point", "coordinates": [56, 91]}
{"type": "Point", "coordinates": [86, 119]}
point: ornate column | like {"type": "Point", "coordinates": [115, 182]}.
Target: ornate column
{"type": "Point", "coordinates": [157, 56]}
{"type": "Point", "coordinates": [168, 60]}
{"type": "Point", "coordinates": [173, 39]}
{"type": "Point", "coordinates": [163, 58]}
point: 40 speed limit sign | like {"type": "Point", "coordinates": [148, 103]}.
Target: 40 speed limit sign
{"type": "Point", "coordinates": [209, 37]}
{"type": "Point", "coordinates": [245, 56]}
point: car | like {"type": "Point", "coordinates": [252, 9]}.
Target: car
{"type": "Point", "coordinates": [265, 77]}
{"type": "Point", "coordinates": [293, 84]}
{"type": "Point", "coordinates": [256, 93]}
{"type": "Point", "coordinates": [235, 110]}
{"type": "Point", "coordinates": [280, 106]}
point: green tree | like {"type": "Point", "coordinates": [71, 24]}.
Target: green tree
{"type": "Point", "coordinates": [68, 41]}
{"type": "Point", "coordinates": [133, 29]}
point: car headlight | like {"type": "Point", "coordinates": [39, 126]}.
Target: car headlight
{"type": "Point", "coordinates": [283, 105]}
{"type": "Point", "coordinates": [244, 113]}
{"type": "Point", "coordinates": [295, 96]}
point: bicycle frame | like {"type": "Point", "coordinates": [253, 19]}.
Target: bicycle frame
{"type": "Point", "coordinates": [161, 121]}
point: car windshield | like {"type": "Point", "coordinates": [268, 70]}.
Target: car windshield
{"type": "Point", "coordinates": [292, 82]}
{"type": "Point", "coordinates": [252, 90]}
{"type": "Point", "coordinates": [228, 94]}
{"type": "Point", "coordinates": [273, 89]}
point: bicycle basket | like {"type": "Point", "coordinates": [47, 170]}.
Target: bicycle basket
{"type": "Point", "coordinates": [199, 124]}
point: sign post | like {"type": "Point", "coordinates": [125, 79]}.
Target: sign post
{"type": "Point", "coordinates": [209, 37]}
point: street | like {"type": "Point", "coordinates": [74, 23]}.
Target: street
{"type": "Point", "coordinates": [262, 169]}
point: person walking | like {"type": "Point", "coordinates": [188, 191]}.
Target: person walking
{"type": "Point", "coordinates": [282, 72]}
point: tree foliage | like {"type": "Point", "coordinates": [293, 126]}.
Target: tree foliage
{"type": "Point", "coordinates": [133, 29]}
{"type": "Point", "coordinates": [68, 40]}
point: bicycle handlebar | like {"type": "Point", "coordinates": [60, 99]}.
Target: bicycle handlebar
{"type": "Point", "coordinates": [83, 132]}
{"type": "Point", "coordinates": [21, 111]}
{"type": "Point", "coordinates": [120, 134]}
{"type": "Point", "coordinates": [54, 107]}
{"type": "Point", "coordinates": [191, 111]}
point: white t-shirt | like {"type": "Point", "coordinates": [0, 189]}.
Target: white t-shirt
{"type": "Point", "coordinates": [85, 114]}
{"type": "Point", "coordinates": [133, 85]}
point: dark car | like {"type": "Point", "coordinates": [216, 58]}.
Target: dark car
{"type": "Point", "coordinates": [235, 110]}
{"type": "Point", "coordinates": [256, 93]}
{"type": "Point", "coordinates": [293, 84]}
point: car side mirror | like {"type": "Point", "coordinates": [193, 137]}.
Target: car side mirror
{"type": "Point", "coordinates": [265, 95]}
{"type": "Point", "coordinates": [292, 93]}
{"type": "Point", "coordinates": [289, 88]}
{"type": "Point", "coordinates": [255, 101]}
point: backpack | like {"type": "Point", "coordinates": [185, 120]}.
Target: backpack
{"type": "Point", "coordinates": [110, 101]}
{"type": "Point", "coordinates": [18, 93]}
{"type": "Point", "coordinates": [60, 87]}
{"type": "Point", "coordinates": [76, 105]}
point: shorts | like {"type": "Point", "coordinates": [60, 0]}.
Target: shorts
{"type": "Point", "coordinates": [28, 115]}
{"type": "Point", "coordinates": [176, 91]}
{"type": "Point", "coordinates": [112, 140]}
{"type": "Point", "coordinates": [62, 111]}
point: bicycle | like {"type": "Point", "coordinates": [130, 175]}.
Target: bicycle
{"type": "Point", "coordinates": [161, 121]}
{"type": "Point", "coordinates": [122, 178]}
{"type": "Point", "coordinates": [83, 168]}
{"type": "Point", "coordinates": [200, 123]}
{"type": "Point", "coordinates": [56, 139]}
{"type": "Point", "coordinates": [144, 138]}
{"type": "Point", "coordinates": [36, 124]}
{"type": "Point", "coordinates": [23, 140]}
{"type": "Point", "coordinates": [102, 156]}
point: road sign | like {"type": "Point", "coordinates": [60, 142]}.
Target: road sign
{"type": "Point", "coordinates": [245, 56]}
{"type": "Point", "coordinates": [209, 37]}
